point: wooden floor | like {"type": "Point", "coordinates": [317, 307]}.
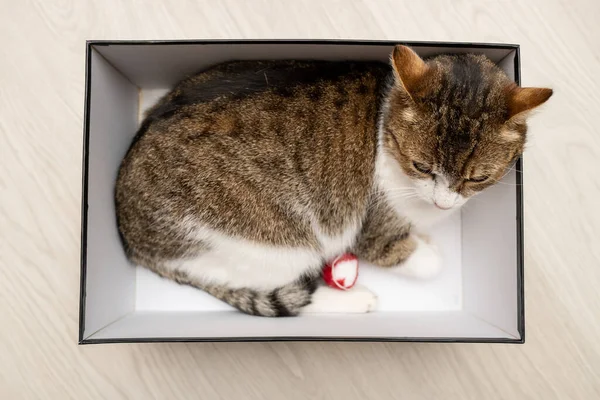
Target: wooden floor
{"type": "Point", "coordinates": [41, 107]}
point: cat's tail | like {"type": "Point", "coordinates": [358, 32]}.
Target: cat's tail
{"type": "Point", "coordinates": [283, 301]}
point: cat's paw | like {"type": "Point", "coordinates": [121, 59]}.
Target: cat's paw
{"type": "Point", "coordinates": [424, 263]}
{"type": "Point", "coordinates": [357, 300]}
{"type": "Point", "coordinates": [360, 299]}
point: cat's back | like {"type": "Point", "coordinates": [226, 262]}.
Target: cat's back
{"type": "Point", "coordinates": [253, 114]}
{"type": "Point", "coordinates": [282, 137]}
{"type": "Point", "coordinates": [267, 91]}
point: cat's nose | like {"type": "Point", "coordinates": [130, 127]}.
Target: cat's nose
{"type": "Point", "coordinates": [441, 207]}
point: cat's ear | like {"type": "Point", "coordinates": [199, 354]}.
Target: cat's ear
{"type": "Point", "coordinates": [522, 100]}
{"type": "Point", "coordinates": [409, 68]}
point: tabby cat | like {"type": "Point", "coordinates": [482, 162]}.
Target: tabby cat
{"type": "Point", "coordinates": [246, 178]}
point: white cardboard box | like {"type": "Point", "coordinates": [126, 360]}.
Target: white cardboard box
{"type": "Point", "coordinates": [478, 297]}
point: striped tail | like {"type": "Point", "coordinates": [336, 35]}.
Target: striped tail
{"type": "Point", "coordinates": [280, 302]}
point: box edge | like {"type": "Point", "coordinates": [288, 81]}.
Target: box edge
{"type": "Point", "coordinates": [85, 160]}
{"type": "Point", "coordinates": [520, 224]}
{"type": "Point", "coordinates": [103, 42]}
{"type": "Point", "coordinates": [84, 188]}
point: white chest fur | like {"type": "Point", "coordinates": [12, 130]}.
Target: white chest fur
{"type": "Point", "coordinates": [333, 246]}
{"type": "Point", "coordinates": [397, 188]}
{"type": "Point", "coordinates": [235, 262]}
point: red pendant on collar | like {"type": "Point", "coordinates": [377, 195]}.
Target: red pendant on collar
{"type": "Point", "coordinates": [342, 272]}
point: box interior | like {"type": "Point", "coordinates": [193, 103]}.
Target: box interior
{"type": "Point", "coordinates": [476, 296]}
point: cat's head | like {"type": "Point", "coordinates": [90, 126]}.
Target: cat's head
{"type": "Point", "coordinates": [454, 124]}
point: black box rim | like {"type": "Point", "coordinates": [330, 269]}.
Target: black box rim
{"type": "Point", "coordinates": [84, 197]}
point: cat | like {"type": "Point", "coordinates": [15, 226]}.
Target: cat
{"type": "Point", "coordinates": [247, 178]}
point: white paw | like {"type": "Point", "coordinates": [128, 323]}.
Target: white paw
{"type": "Point", "coordinates": [359, 299]}
{"type": "Point", "coordinates": [424, 263]}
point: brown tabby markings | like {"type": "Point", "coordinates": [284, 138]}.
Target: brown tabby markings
{"type": "Point", "coordinates": [385, 238]}
{"type": "Point", "coordinates": [266, 157]}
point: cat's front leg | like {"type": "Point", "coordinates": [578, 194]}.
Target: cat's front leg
{"type": "Point", "coordinates": [390, 241]}
{"type": "Point", "coordinates": [423, 262]}
{"type": "Point", "coordinates": [407, 253]}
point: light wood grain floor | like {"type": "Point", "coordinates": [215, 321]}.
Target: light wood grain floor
{"type": "Point", "coordinates": [41, 106]}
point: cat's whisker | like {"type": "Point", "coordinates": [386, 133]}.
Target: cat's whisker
{"type": "Point", "coordinates": [513, 168]}
{"type": "Point", "coordinates": [405, 196]}
{"type": "Point", "coordinates": [397, 191]}
{"type": "Point", "coordinates": [392, 190]}
{"type": "Point", "coordinates": [505, 183]}
{"type": "Point", "coordinates": [496, 181]}
{"type": "Point", "coordinates": [390, 198]}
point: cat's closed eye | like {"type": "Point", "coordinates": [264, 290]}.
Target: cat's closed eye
{"type": "Point", "coordinates": [422, 168]}
{"type": "Point", "coordinates": [478, 179]}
